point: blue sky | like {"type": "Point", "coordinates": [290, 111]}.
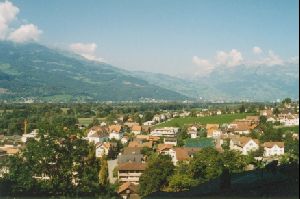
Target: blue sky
{"type": "Point", "coordinates": [168, 36]}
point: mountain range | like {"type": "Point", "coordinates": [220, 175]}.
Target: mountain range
{"type": "Point", "coordinates": [34, 71]}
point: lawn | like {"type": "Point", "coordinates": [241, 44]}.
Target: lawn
{"type": "Point", "coordinates": [218, 119]}
{"type": "Point", "coordinates": [86, 120]}
{"type": "Point", "coordinates": [199, 142]}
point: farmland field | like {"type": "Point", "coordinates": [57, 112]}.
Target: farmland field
{"type": "Point", "coordinates": [218, 119]}
{"type": "Point", "coordinates": [86, 120]}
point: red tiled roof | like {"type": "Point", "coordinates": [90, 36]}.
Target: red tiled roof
{"type": "Point", "coordinates": [136, 128]}
{"type": "Point", "coordinates": [127, 185]}
{"type": "Point", "coordinates": [271, 144]}
{"type": "Point", "coordinates": [161, 147]}
{"type": "Point", "coordinates": [116, 128]}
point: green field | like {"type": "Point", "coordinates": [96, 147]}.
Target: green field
{"type": "Point", "coordinates": [87, 121]}
{"type": "Point", "coordinates": [217, 119]}
{"type": "Point", "coordinates": [199, 142]}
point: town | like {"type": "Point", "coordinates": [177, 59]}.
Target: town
{"type": "Point", "coordinates": [135, 150]}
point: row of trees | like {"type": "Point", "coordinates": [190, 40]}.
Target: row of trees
{"type": "Point", "coordinates": [206, 165]}
{"type": "Point", "coordinates": [12, 116]}
{"type": "Point", "coordinates": [56, 165]}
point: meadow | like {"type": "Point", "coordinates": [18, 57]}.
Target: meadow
{"type": "Point", "coordinates": [215, 119]}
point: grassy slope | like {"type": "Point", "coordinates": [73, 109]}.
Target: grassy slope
{"type": "Point", "coordinates": [218, 119]}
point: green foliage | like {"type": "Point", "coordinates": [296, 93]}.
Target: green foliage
{"type": "Point", "coordinates": [156, 175]}
{"type": "Point", "coordinates": [206, 164]}
{"type": "Point", "coordinates": [103, 174]}
{"type": "Point", "coordinates": [54, 166]}
{"type": "Point", "coordinates": [262, 119]}
{"type": "Point", "coordinates": [287, 101]}
{"type": "Point", "coordinates": [181, 182]}
{"type": "Point", "coordinates": [233, 161]}
{"type": "Point", "coordinates": [38, 72]}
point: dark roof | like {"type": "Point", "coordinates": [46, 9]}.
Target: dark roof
{"type": "Point", "coordinates": [132, 166]}
{"type": "Point", "coordinates": [130, 158]}
{"type": "Point", "coordinates": [131, 150]}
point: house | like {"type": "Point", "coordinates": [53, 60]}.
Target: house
{"type": "Point", "coordinates": [124, 139]}
{"type": "Point", "coordinates": [149, 123]}
{"type": "Point", "coordinates": [219, 112]}
{"type": "Point", "coordinates": [9, 149]}
{"type": "Point", "coordinates": [212, 126]}
{"type": "Point", "coordinates": [273, 149]}
{"type": "Point", "coordinates": [115, 132]}
{"type": "Point", "coordinates": [289, 119]}
{"type": "Point", "coordinates": [170, 140]}
{"type": "Point", "coordinates": [184, 114]}
{"type": "Point", "coordinates": [254, 119]}
{"type": "Point", "coordinates": [142, 137]}
{"type": "Point", "coordinates": [295, 136]}
{"type": "Point", "coordinates": [242, 127]}
{"type": "Point", "coordinates": [182, 154]}
{"type": "Point", "coordinates": [140, 144]}
{"type": "Point", "coordinates": [193, 132]}
{"type": "Point", "coordinates": [128, 190]}
{"type": "Point", "coordinates": [131, 150]}
{"type": "Point", "coordinates": [156, 118]}
{"type": "Point", "coordinates": [33, 134]}
{"type": "Point", "coordinates": [164, 148]}
{"type": "Point", "coordinates": [136, 129]}
{"type": "Point", "coordinates": [130, 124]}
{"type": "Point", "coordinates": [97, 134]}
{"type": "Point", "coordinates": [271, 119]}
{"type": "Point", "coordinates": [214, 133]}
{"type": "Point", "coordinates": [123, 158]}
{"type": "Point", "coordinates": [103, 149]}
{"type": "Point", "coordinates": [244, 144]}
{"type": "Point", "coordinates": [165, 132]}
{"type": "Point", "coordinates": [130, 172]}
{"type": "Point", "coordinates": [266, 113]}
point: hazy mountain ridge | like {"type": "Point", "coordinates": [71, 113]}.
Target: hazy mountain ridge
{"type": "Point", "coordinates": [262, 83]}
{"type": "Point", "coordinates": [35, 71]}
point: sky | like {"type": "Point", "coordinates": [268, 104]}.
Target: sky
{"type": "Point", "coordinates": [164, 36]}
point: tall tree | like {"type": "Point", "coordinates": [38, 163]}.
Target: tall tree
{"type": "Point", "coordinates": [156, 175]}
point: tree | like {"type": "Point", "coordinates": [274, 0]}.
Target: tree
{"type": "Point", "coordinates": [262, 119]}
{"type": "Point", "coordinates": [276, 111]}
{"type": "Point", "coordinates": [206, 164]}
{"type": "Point", "coordinates": [287, 101]}
{"type": "Point", "coordinates": [68, 163]}
{"type": "Point", "coordinates": [103, 174]}
{"type": "Point", "coordinates": [242, 109]}
{"type": "Point", "coordinates": [155, 177]}
{"type": "Point", "coordinates": [232, 162]}
{"type": "Point", "coordinates": [181, 182]}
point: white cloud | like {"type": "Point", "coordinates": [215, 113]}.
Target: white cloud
{"type": "Point", "coordinates": [87, 50]}
{"type": "Point", "coordinates": [205, 67]}
{"type": "Point", "coordinates": [28, 32]}
{"type": "Point", "coordinates": [294, 60]}
{"type": "Point", "coordinates": [234, 58]}
{"type": "Point", "coordinates": [271, 59]}
{"type": "Point", "coordinates": [8, 13]}
{"type": "Point", "coordinates": [257, 50]}
{"type": "Point", "coordinates": [231, 59]}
